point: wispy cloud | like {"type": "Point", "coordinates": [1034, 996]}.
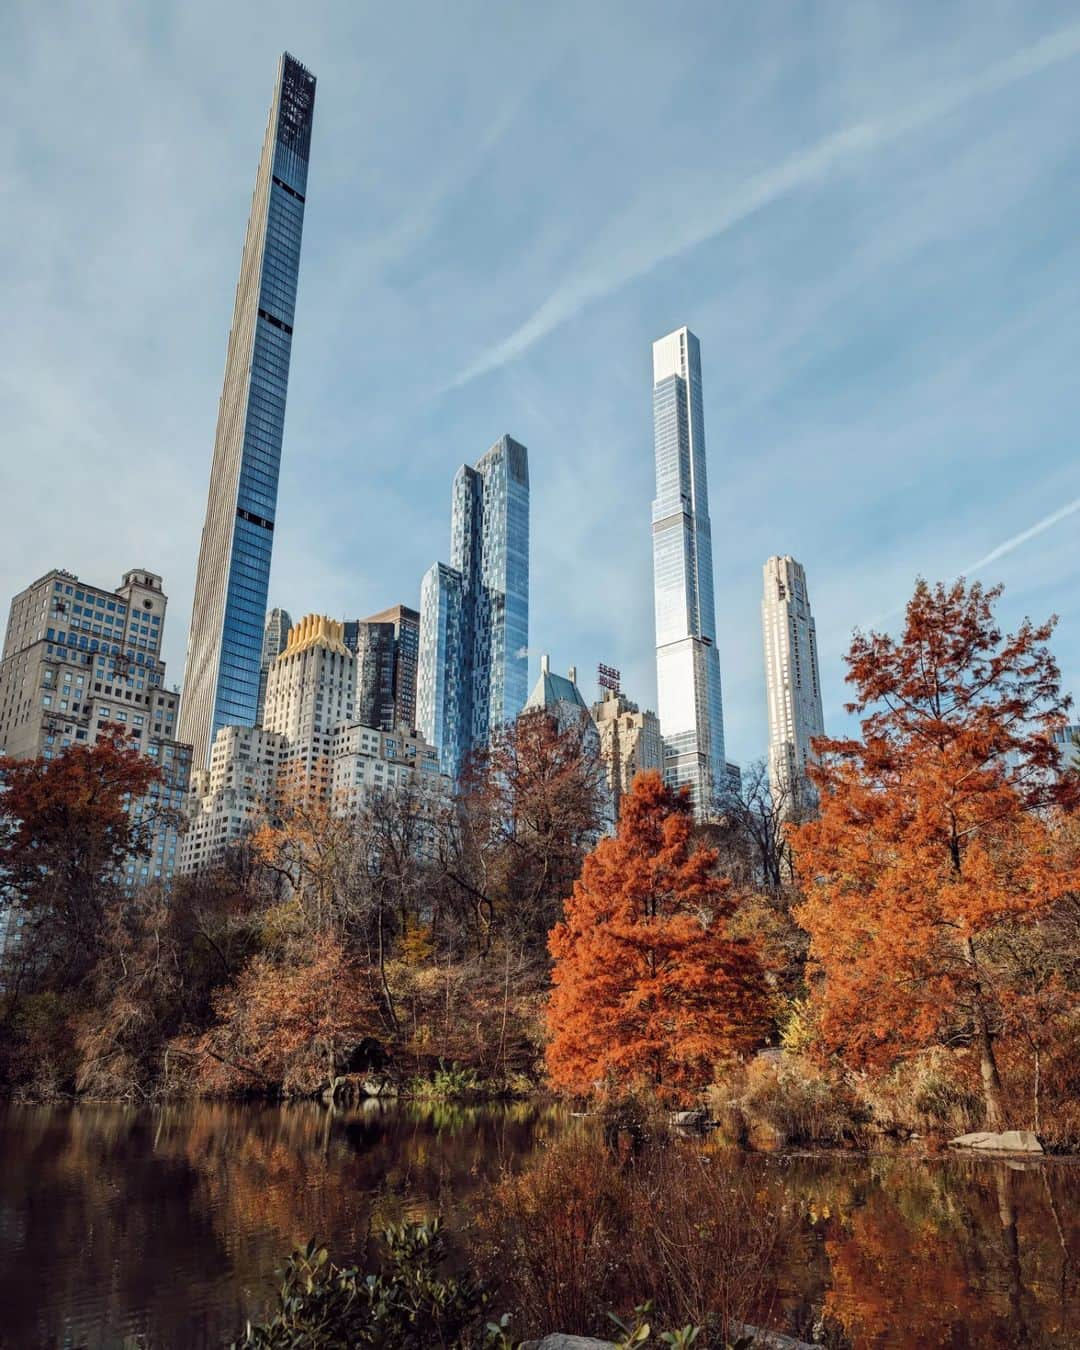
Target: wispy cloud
{"type": "Point", "coordinates": [626, 258]}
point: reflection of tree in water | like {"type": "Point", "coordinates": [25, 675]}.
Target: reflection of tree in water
{"type": "Point", "coordinates": [188, 1210]}
{"type": "Point", "coordinates": [168, 1223]}
{"type": "Point", "coordinates": [958, 1254]}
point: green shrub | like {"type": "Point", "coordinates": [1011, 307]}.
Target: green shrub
{"type": "Point", "coordinates": [448, 1084]}
{"type": "Point", "coordinates": [406, 1305]}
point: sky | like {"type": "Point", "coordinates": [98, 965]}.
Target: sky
{"type": "Point", "coordinates": [867, 213]}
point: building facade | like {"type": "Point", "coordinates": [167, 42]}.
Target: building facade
{"type": "Point", "coordinates": [275, 635]}
{"type": "Point", "coordinates": [689, 699]}
{"type": "Point", "coordinates": [1067, 739]}
{"type": "Point", "coordinates": [78, 658]}
{"type": "Point", "coordinates": [311, 688]}
{"type": "Point", "coordinates": [311, 739]}
{"type": "Point", "coordinates": [233, 796]}
{"type": "Point", "coordinates": [368, 761]}
{"type": "Point", "coordinates": [630, 742]}
{"type": "Point", "coordinates": [386, 647]}
{"type": "Point", "coordinates": [221, 681]}
{"type": "Point", "coordinates": [792, 680]}
{"type": "Point", "coordinates": [474, 614]}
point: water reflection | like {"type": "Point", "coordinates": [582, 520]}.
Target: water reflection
{"type": "Point", "coordinates": [158, 1228]}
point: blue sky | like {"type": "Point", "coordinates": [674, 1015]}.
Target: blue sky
{"type": "Point", "coordinates": [867, 212]}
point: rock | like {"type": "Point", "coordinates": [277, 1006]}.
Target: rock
{"type": "Point", "coordinates": [560, 1342]}
{"type": "Point", "coordinates": [690, 1120]}
{"type": "Point", "coordinates": [769, 1340]}
{"type": "Point", "coordinates": [1008, 1141]}
{"type": "Point", "coordinates": [378, 1087]}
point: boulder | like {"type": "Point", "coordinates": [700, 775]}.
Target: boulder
{"type": "Point", "coordinates": [690, 1120]}
{"type": "Point", "coordinates": [559, 1342]}
{"type": "Point", "coordinates": [1008, 1141]}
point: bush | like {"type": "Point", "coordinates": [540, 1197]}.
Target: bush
{"type": "Point", "coordinates": [406, 1305]}
{"type": "Point", "coordinates": [586, 1230]}
{"type": "Point", "coordinates": [792, 1099]}
{"type": "Point", "coordinates": [448, 1084]}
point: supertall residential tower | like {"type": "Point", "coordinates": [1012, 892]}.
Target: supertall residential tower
{"type": "Point", "coordinates": [792, 682]}
{"type": "Point", "coordinates": [221, 681]}
{"type": "Point", "coordinates": [473, 669]}
{"type": "Point", "coordinates": [687, 664]}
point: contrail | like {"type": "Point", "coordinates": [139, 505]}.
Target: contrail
{"type": "Point", "coordinates": [621, 260]}
{"type": "Point", "coordinates": [1040, 526]}
{"type": "Point", "coordinates": [1007, 547]}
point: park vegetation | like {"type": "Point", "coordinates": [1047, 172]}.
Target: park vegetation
{"type": "Point", "coordinates": [895, 952]}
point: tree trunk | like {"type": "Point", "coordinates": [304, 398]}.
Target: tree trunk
{"type": "Point", "coordinates": [991, 1079]}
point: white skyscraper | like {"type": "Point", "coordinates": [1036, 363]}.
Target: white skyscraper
{"type": "Point", "coordinates": [792, 682]}
{"type": "Point", "coordinates": [687, 664]}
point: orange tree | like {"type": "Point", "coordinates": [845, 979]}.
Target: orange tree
{"type": "Point", "coordinates": [937, 830]}
{"type": "Point", "coordinates": [66, 830]}
{"type": "Point", "coordinates": [650, 988]}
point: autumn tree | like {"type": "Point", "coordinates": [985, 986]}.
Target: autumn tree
{"type": "Point", "coordinates": [532, 807]}
{"type": "Point", "coordinates": [938, 828]}
{"type": "Point", "coordinates": [66, 831]}
{"type": "Point", "coordinates": [283, 1027]}
{"type": "Point", "coordinates": [650, 987]}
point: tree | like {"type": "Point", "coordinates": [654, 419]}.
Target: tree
{"type": "Point", "coordinates": [754, 830]}
{"type": "Point", "coordinates": [66, 829]}
{"type": "Point", "coordinates": [284, 1026]}
{"type": "Point", "coordinates": [937, 828]}
{"type": "Point", "coordinates": [650, 988]}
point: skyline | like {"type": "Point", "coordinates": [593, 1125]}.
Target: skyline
{"type": "Point", "coordinates": [836, 378]}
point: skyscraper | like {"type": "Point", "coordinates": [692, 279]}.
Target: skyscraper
{"type": "Point", "coordinates": [473, 668]}
{"type": "Point", "coordinates": [221, 682]}
{"type": "Point", "coordinates": [386, 647]}
{"type": "Point", "coordinates": [687, 665]}
{"type": "Point", "coordinates": [793, 685]}
{"type": "Point", "coordinates": [275, 636]}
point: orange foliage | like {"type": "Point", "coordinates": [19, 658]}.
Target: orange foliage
{"type": "Point", "coordinates": [930, 841]}
{"type": "Point", "coordinates": [288, 1027]}
{"type": "Point", "coordinates": [650, 987]}
{"type": "Point", "coordinates": [66, 830]}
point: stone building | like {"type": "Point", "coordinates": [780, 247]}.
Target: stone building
{"type": "Point", "coordinates": [630, 742]}
{"type": "Point", "coordinates": [78, 658]}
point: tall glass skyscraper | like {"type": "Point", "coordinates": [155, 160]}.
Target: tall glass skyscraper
{"type": "Point", "coordinates": [221, 681]}
{"type": "Point", "coordinates": [474, 614]}
{"type": "Point", "coordinates": [687, 664]}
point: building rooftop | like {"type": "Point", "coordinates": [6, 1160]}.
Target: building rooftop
{"type": "Point", "coordinates": [551, 690]}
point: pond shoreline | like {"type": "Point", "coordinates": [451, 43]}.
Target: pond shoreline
{"type": "Point", "coordinates": [368, 1106]}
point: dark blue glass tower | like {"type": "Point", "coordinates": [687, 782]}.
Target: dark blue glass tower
{"type": "Point", "coordinates": [472, 675]}
{"type": "Point", "coordinates": [221, 680]}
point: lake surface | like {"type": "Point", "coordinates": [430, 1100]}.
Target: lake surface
{"type": "Point", "coordinates": [132, 1228]}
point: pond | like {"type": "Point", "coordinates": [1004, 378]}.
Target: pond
{"type": "Point", "coordinates": [161, 1228]}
